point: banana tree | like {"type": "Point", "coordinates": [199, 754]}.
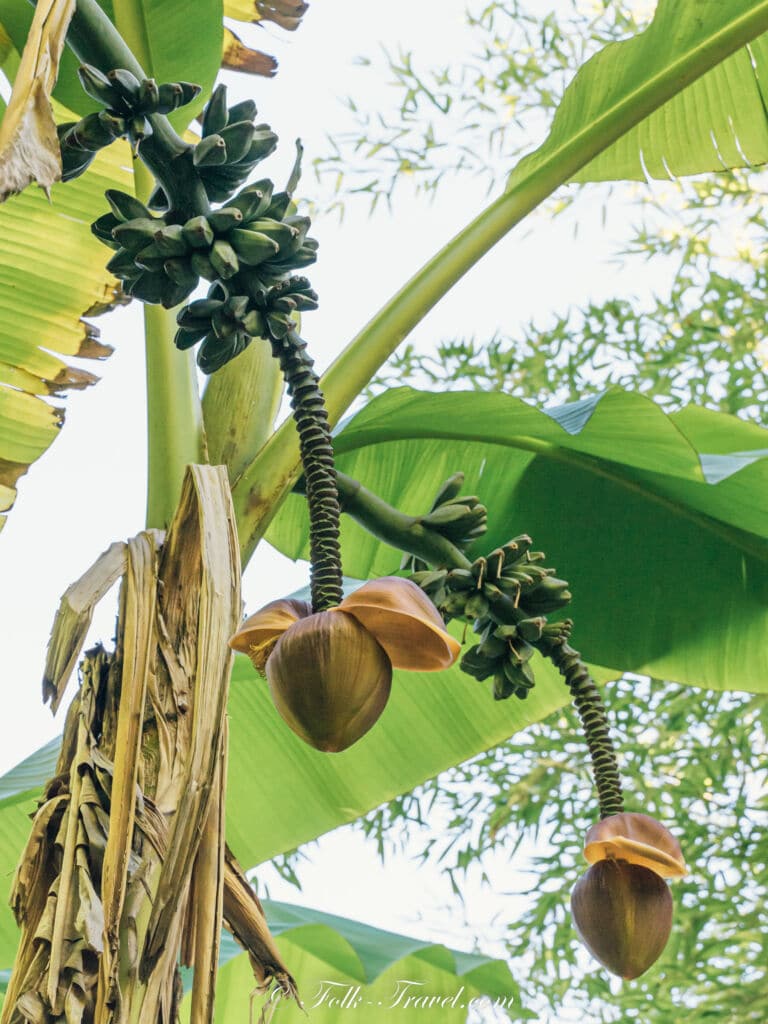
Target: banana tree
{"type": "Point", "coordinates": [128, 869]}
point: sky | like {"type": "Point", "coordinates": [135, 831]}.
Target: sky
{"type": "Point", "coordinates": [88, 489]}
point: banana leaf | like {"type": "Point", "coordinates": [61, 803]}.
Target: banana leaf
{"type": "Point", "coordinates": [659, 523]}
{"type": "Point", "coordinates": [343, 965]}
{"type": "Point", "coordinates": [717, 121]}
{"type": "Point", "coordinates": [42, 304]}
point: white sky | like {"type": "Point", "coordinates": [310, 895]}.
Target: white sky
{"type": "Point", "coordinates": [89, 489]}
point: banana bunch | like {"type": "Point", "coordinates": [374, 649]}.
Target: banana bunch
{"type": "Point", "coordinates": [81, 140]}
{"type": "Point", "coordinates": [461, 519]}
{"type": "Point", "coordinates": [231, 145]}
{"type": "Point", "coordinates": [506, 596]}
{"type": "Point", "coordinates": [162, 262]}
{"type": "Point", "coordinates": [225, 324]}
{"type": "Point", "coordinates": [128, 104]}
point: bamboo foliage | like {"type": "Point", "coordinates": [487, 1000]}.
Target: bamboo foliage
{"type": "Point", "coordinates": [124, 871]}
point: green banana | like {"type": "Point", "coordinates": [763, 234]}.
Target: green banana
{"type": "Point", "coordinates": [203, 266]}
{"type": "Point", "coordinates": [445, 515]}
{"type": "Point", "coordinates": [198, 233]}
{"type": "Point", "coordinates": [181, 273]}
{"type": "Point", "coordinates": [149, 258]}
{"type": "Point", "coordinates": [149, 95]}
{"type": "Point", "coordinates": [253, 200]}
{"type": "Point", "coordinates": [223, 325]}
{"type": "Point", "coordinates": [185, 337]}
{"type": "Point", "coordinates": [149, 287]}
{"type": "Point", "coordinates": [281, 233]}
{"type": "Point", "coordinates": [460, 579]}
{"type": "Point", "coordinates": [198, 313]}
{"type": "Point", "coordinates": [237, 138]}
{"type": "Point", "coordinates": [215, 114]}
{"type": "Point", "coordinates": [449, 490]}
{"type": "Point", "coordinates": [532, 629]}
{"type": "Point", "coordinates": [173, 292]}
{"type": "Point", "coordinates": [548, 595]}
{"type": "Point", "coordinates": [252, 247]}
{"type": "Point", "coordinates": [263, 143]}
{"type": "Point", "coordinates": [95, 131]}
{"type": "Point", "coordinates": [224, 259]}
{"type": "Point", "coordinates": [254, 324]}
{"type": "Point", "coordinates": [122, 265]}
{"type": "Point", "coordinates": [224, 220]}
{"type": "Point", "coordinates": [214, 353]}
{"type": "Point", "coordinates": [134, 234]}
{"type": "Point", "coordinates": [170, 97]}
{"type": "Point", "coordinates": [171, 241]}
{"type": "Point", "coordinates": [476, 606]}
{"type": "Point", "coordinates": [102, 228]}
{"type": "Point", "coordinates": [126, 85]}
{"type": "Point", "coordinates": [126, 207]}
{"type": "Point", "coordinates": [475, 664]}
{"type": "Point", "coordinates": [97, 85]}
{"type": "Point", "coordinates": [210, 152]}
{"type": "Point", "coordinates": [139, 129]}
{"type": "Point", "coordinates": [243, 111]}
{"type": "Point", "coordinates": [279, 205]}
{"type": "Point", "coordinates": [278, 324]}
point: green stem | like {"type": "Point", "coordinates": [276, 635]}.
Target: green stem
{"type": "Point", "coordinates": [407, 533]}
{"type": "Point", "coordinates": [174, 418]}
{"type": "Point", "coordinates": [174, 421]}
{"type": "Point", "coordinates": [175, 435]}
{"type": "Point", "coordinates": [316, 449]}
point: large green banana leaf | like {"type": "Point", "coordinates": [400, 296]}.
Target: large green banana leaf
{"type": "Point", "coordinates": [282, 792]}
{"type": "Point", "coordinates": [365, 969]}
{"type": "Point", "coordinates": [659, 522]}
{"type": "Point", "coordinates": [717, 121]}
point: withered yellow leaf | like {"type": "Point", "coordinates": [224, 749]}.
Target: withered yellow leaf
{"type": "Point", "coordinates": [29, 147]}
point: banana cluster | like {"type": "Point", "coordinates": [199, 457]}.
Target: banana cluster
{"type": "Point", "coordinates": [461, 519]}
{"type": "Point", "coordinates": [225, 324]}
{"type": "Point", "coordinates": [128, 104]}
{"type": "Point", "coordinates": [506, 596]}
{"type": "Point", "coordinates": [231, 145]}
{"type": "Point", "coordinates": [251, 237]}
{"type": "Point", "coordinates": [248, 248]}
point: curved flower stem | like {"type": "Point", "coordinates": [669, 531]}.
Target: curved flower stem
{"type": "Point", "coordinates": [408, 533]}
{"type": "Point", "coordinates": [316, 449]}
{"type": "Point", "coordinates": [594, 722]}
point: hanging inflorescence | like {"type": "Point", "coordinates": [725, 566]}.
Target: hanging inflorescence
{"type": "Point", "coordinates": [506, 596]}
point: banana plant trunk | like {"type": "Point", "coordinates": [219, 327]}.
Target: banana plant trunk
{"type": "Point", "coordinates": [124, 875]}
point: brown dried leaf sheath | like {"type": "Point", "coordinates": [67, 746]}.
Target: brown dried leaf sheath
{"type": "Point", "coordinates": [132, 823]}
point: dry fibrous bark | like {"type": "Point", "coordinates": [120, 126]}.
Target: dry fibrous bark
{"type": "Point", "coordinates": [124, 875]}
